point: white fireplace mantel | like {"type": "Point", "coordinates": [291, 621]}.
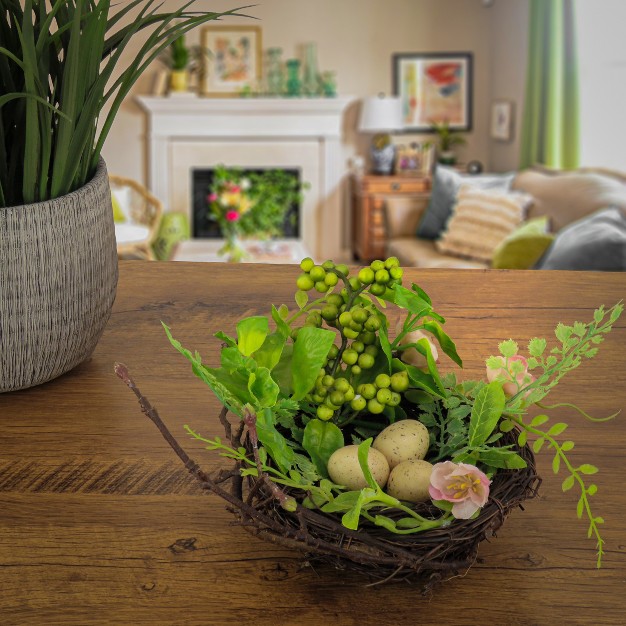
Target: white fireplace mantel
{"type": "Point", "coordinates": [202, 127]}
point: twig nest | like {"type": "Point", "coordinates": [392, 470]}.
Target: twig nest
{"type": "Point", "coordinates": [344, 468]}
{"type": "Point", "coordinates": [410, 480]}
{"type": "Point", "coordinates": [403, 441]}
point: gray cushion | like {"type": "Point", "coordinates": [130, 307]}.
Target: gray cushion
{"type": "Point", "coordinates": [597, 242]}
{"type": "Point", "coordinates": [446, 183]}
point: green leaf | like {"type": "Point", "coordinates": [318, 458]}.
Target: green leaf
{"type": "Point", "coordinates": [232, 359]}
{"type": "Point", "coordinates": [447, 345]}
{"type": "Point", "coordinates": [522, 438]}
{"type": "Point", "coordinates": [263, 388]}
{"type": "Point", "coordinates": [301, 298]}
{"type": "Point", "coordinates": [486, 412]}
{"type": "Point", "coordinates": [506, 426]}
{"type": "Point", "coordinates": [536, 346]}
{"type": "Point", "coordinates": [494, 362]}
{"type": "Point", "coordinates": [566, 446]}
{"type": "Point", "coordinates": [281, 326]}
{"type": "Point", "coordinates": [309, 353]}
{"type": "Point", "coordinates": [251, 333]}
{"type": "Point", "coordinates": [588, 469]}
{"type": "Point", "coordinates": [580, 507]}
{"type": "Point", "coordinates": [615, 313]}
{"type": "Point", "coordinates": [351, 518]}
{"type": "Point", "coordinates": [363, 452]}
{"type": "Point", "coordinates": [563, 332]}
{"type": "Point", "coordinates": [320, 440]}
{"type": "Point", "coordinates": [557, 429]}
{"type": "Point", "coordinates": [282, 372]}
{"type": "Point", "coordinates": [598, 314]}
{"type": "Point", "coordinates": [226, 339]}
{"type": "Point", "coordinates": [579, 329]}
{"type": "Point", "coordinates": [538, 420]}
{"type": "Point", "coordinates": [273, 441]}
{"type": "Point", "coordinates": [592, 490]}
{"type": "Point", "coordinates": [556, 463]}
{"type": "Point", "coordinates": [502, 459]}
{"type": "Point", "coordinates": [269, 353]}
{"type": "Point", "coordinates": [383, 336]}
{"type": "Point", "coordinates": [423, 346]}
{"type": "Point", "coordinates": [421, 293]}
{"type": "Point", "coordinates": [538, 444]}
{"type": "Point", "coordinates": [406, 299]}
{"type": "Point", "coordinates": [508, 348]}
{"type": "Point", "coordinates": [423, 380]}
{"type": "Point", "coordinates": [343, 502]}
{"type": "Point", "coordinates": [568, 483]}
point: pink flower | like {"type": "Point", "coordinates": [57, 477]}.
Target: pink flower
{"type": "Point", "coordinates": [514, 382]}
{"type": "Point", "coordinates": [232, 216]}
{"type": "Point", "coordinates": [212, 197]}
{"type": "Point", "coordinates": [234, 188]}
{"type": "Point", "coordinates": [463, 484]}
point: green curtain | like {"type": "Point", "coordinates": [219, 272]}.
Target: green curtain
{"type": "Point", "coordinates": [550, 126]}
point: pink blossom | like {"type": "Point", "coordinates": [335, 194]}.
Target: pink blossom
{"type": "Point", "coordinates": [232, 216]}
{"type": "Point", "coordinates": [514, 382]}
{"type": "Point", "coordinates": [234, 188]}
{"type": "Point", "coordinates": [212, 197]}
{"type": "Point", "coordinates": [463, 484]}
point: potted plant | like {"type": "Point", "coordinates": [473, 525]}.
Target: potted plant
{"type": "Point", "coordinates": [182, 63]}
{"type": "Point", "coordinates": [59, 264]}
{"type": "Point", "coordinates": [447, 139]}
{"type": "Point", "coordinates": [349, 443]}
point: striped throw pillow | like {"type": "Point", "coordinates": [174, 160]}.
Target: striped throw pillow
{"type": "Point", "coordinates": [481, 219]}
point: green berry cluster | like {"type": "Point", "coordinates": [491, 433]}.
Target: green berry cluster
{"type": "Point", "coordinates": [337, 391]}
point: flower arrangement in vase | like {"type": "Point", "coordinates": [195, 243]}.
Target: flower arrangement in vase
{"type": "Point", "coordinates": [251, 204]}
{"type": "Point", "coordinates": [349, 443]}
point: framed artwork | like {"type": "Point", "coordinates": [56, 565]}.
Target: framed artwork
{"type": "Point", "coordinates": [433, 87]}
{"type": "Point", "coordinates": [413, 160]}
{"type": "Point", "coordinates": [234, 59]}
{"type": "Point", "coordinates": [502, 120]}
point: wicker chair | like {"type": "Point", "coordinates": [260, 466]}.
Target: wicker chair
{"type": "Point", "coordinates": [143, 212]}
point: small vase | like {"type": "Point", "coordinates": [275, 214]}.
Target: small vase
{"type": "Point", "coordinates": [275, 74]}
{"type": "Point", "coordinates": [179, 81]}
{"type": "Point", "coordinates": [310, 82]}
{"type": "Point", "coordinates": [329, 84]}
{"type": "Point", "coordinates": [232, 248]}
{"type": "Point", "coordinates": [294, 84]}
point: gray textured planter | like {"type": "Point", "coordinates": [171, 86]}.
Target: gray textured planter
{"type": "Point", "coordinates": [58, 276]}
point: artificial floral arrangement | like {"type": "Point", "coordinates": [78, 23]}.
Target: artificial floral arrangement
{"type": "Point", "coordinates": [254, 203]}
{"type": "Point", "coordinates": [351, 445]}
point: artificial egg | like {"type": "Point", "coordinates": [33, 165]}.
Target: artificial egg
{"type": "Point", "coordinates": [410, 480]}
{"type": "Point", "coordinates": [344, 468]}
{"type": "Point", "coordinates": [411, 355]}
{"type": "Point", "coordinates": [403, 441]}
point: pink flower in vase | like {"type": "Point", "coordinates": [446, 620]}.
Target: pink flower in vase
{"type": "Point", "coordinates": [464, 485]}
{"type": "Point", "coordinates": [212, 197]}
{"type": "Point", "coordinates": [232, 216]}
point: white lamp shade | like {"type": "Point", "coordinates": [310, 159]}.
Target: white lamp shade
{"type": "Point", "coordinates": [380, 115]}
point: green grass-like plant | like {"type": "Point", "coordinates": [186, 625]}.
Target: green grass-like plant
{"type": "Point", "coordinates": [57, 62]}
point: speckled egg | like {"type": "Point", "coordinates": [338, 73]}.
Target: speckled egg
{"type": "Point", "coordinates": [403, 441]}
{"type": "Point", "coordinates": [409, 481]}
{"type": "Point", "coordinates": [344, 468]}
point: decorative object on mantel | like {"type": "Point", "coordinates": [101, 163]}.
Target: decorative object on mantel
{"type": "Point", "coordinates": [381, 116]}
{"type": "Point", "coordinates": [359, 452]}
{"type": "Point", "coordinates": [434, 86]}
{"type": "Point", "coordinates": [294, 83]}
{"type": "Point", "coordinates": [253, 204]}
{"type": "Point", "coordinates": [502, 120]}
{"type": "Point", "coordinates": [275, 74]}
{"type": "Point", "coordinates": [59, 263]}
{"type": "Point", "coordinates": [446, 140]}
{"type": "Point", "coordinates": [234, 60]}
{"type": "Point", "coordinates": [310, 75]}
{"type": "Point", "coordinates": [183, 63]}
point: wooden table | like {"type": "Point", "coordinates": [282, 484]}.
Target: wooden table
{"type": "Point", "coordinates": [99, 524]}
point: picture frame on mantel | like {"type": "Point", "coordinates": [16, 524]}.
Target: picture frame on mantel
{"type": "Point", "coordinates": [233, 63]}
{"type": "Point", "coordinates": [433, 87]}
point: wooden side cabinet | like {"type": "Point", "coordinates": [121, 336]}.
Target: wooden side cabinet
{"type": "Point", "coordinates": [368, 217]}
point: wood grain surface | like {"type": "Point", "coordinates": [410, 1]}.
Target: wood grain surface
{"type": "Point", "coordinates": [100, 525]}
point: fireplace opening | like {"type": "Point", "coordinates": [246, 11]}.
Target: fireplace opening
{"type": "Point", "coordinates": [204, 227]}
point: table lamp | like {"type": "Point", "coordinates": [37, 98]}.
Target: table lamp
{"type": "Point", "coordinates": [381, 116]}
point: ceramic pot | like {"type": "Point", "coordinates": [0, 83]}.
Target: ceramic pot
{"type": "Point", "coordinates": [179, 81]}
{"type": "Point", "coordinates": [57, 282]}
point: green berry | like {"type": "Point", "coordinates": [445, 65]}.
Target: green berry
{"type": "Point", "coordinates": [304, 282]}
{"type": "Point", "coordinates": [366, 276]}
{"type": "Point", "coordinates": [317, 398]}
{"type": "Point", "coordinates": [345, 319]}
{"type": "Point", "coordinates": [382, 277]}
{"type": "Point", "coordinates": [377, 290]}
{"type": "Point", "coordinates": [392, 261]}
{"type": "Point", "coordinates": [358, 403]}
{"type": "Point", "coordinates": [331, 279]}
{"type": "Point", "coordinates": [382, 381]}
{"type": "Point", "coordinates": [349, 333]}
{"type": "Point", "coordinates": [336, 397]}
{"type": "Point", "coordinates": [377, 265]}
{"type": "Point", "coordinates": [372, 350]}
{"type": "Point", "coordinates": [331, 364]}
{"type": "Point", "coordinates": [395, 399]}
{"type": "Point", "coordinates": [368, 337]}
{"type": "Point", "coordinates": [294, 333]}
{"type": "Point", "coordinates": [335, 299]}
{"type": "Point", "coordinates": [333, 352]}
{"type": "Point", "coordinates": [321, 286]}
{"type": "Point", "coordinates": [359, 346]}
{"type": "Point", "coordinates": [317, 273]}
{"type": "Point", "coordinates": [307, 264]}
{"type": "Point", "coordinates": [330, 404]}
{"type": "Point", "coordinates": [330, 312]}
{"type": "Point", "coordinates": [355, 283]}
{"type": "Point", "coordinates": [372, 324]}
{"type": "Point", "coordinates": [349, 394]}
{"type": "Point", "coordinates": [383, 396]}
{"type": "Point", "coordinates": [328, 265]}
{"type": "Point", "coordinates": [328, 381]}
{"type": "Point", "coordinates": [322, 392]}
{"type": "Point", "coordinates": [375, 407]}
{"type": "Point", "coordinates": [350, 357]}
{"type": "Point", "coordinates": [342, 268]}
{"type": "Point", "coordinates": [396, 273]}
{"type": "Point", "coordinates": [359, 315]}
{"type": "Point", "coordinates": [324, 413]}
{"type": "Point", "coordinates": [368, 391]}
{"type": "Point", "coordinates": [356, 370]}
{"type": "Point", "coordinates": [400, 381]}
{"type": "Point", "coordinates": [341, 384]}
{"type": "Point", "coordinates": [366, 361]}
{"type": "Point", "coordinates": [357, 327]}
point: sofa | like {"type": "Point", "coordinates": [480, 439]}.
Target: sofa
{"type": "Point", "coordinates": [585, 211]}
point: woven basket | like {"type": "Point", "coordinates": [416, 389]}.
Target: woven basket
{"type": "Point", "coordinates": [57, 284]}
{"type": "Point", "coordinates": [426, 558]}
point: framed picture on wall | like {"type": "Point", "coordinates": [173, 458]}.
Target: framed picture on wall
{"type": "Point", "coordinates": [502, 120]}
{"type": "Point", "coordinates": [433, 87]}
{"type": "Point", "coordinates": [233, 59]}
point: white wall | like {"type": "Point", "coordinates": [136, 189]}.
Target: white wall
{"type": "Point", "coordinates": [354, 37]}
{"type": "Point", "coordinates": [602, 67]}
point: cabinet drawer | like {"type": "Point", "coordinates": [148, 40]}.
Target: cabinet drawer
{"type": "Point", "coordinates": [396, 186]}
